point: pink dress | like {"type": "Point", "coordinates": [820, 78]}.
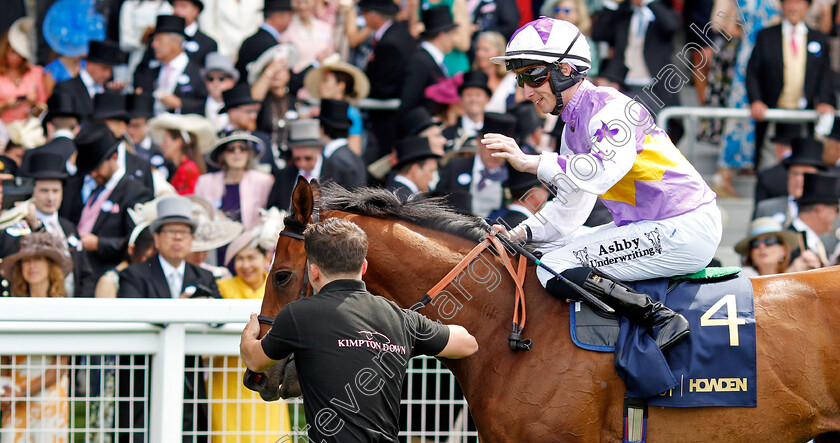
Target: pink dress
{"type": "Point", "coordinates": [32, 80]}
{"type": "Point", "coordinates": [310, 41]}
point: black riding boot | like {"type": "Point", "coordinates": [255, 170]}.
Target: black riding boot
{"type": "Point", "coordinates": [666, 326]}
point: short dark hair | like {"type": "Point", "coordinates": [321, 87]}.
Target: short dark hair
{"type": "Point", "coordinates": [336, 245]}
{"type": "Point", "coordinates": [64, 122]}
{"type": "Point", "coordinates": [349, 83]}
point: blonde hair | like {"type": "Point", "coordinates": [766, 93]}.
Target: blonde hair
{"type": "Point", "coordinates": [584, 19]}
{"type": "Point", "coordinates": [20, 288]}
{"type": "Point", "coordinates": [499, 43]}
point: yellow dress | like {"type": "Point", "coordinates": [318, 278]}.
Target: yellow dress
{"type": "Point", "coordinates": [45, 418]}
{"type": "Point", "coordinates": [239, 415]}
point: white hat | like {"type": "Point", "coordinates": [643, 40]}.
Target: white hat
{"type": "Point", "coordinates": [26, 133]}
{"type": "Point", "coordinates": [190, 125]}
{"type": "Point", "coordinates": [20, 37]}
{"type": "Point", "coordinates": [548, 40]}
{"type": "Point", "coordinates": [286, 51]}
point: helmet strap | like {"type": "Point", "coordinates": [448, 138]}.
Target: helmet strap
{"type": "Point", "coordinates": [560, 82]}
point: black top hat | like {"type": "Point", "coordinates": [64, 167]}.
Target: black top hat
{"type": "Point", "coordinates": [238, 95]}
{"type": "Point", "coordinates": [819, 188]}
{"type": "Point", "coordinates": [95, 143]}
{"type": "Point", "coordinates": [475, 79]}
{"type": "Point", "coordinates": [140, 106]}
{"type": "Point", "coordinates": [195, 2]}
{"type": "Point", "coordinates": [613, 70]}
{"type": "Point", "coordinates": [519, 181]}
{"type": "Point", "coordinates": [170, 23]}
{"type": "Point", "coordinates": [109, 106]}
{"type": "Point", "coordinates": [413, 149]}
{"type": "Point", "coordinates": [495, 123]}
{"type": "Point", "coordinates": [61, 105]}
{"type": "Point", "coordinates": [106, 52]}
{"type": "Point", "coordinates": [437, 20]}
{"type": "Point", "coordinates": [383, 6]}
{"type": "Point", "coordinates": [805, 151]}
{"type": "Point", "coordinates": [527, 119]}
{"type": "Point", "coordinates": [277, 5]}
{"type": "Point", "coordinates": [305, 132]}
{"type": "Point", "coordinates": [416, 121]}
{"type": "Point", "coordinates": [334, 114]}
{"type": "Point", "coordinates": [44, 165]}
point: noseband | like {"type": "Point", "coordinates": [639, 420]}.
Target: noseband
{"type": "Point", "coordinates": [304, 288]}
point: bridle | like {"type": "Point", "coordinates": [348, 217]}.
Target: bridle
{"type": "Point", "coordinates": [305, 288]}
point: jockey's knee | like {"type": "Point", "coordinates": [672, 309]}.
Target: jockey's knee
{"type": "Point", "coordinates": [559, 288]}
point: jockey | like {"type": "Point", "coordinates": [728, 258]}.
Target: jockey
{"type": "Point", "coordinates": [665, 218]}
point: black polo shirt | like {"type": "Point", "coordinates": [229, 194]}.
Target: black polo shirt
{"type": "Point", "coordinates": [351, 350]}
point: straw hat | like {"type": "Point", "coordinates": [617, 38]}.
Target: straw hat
{"type": "Point", "coordinates": [19, 37]}
{"type": "Point", "coordinates": [39, 244]}
{"type": "Point", "coordinates": [313, 78]}
{"type": "Point", "coordinates": [214, 229]}
{"type": "Point", "coordinates": [763, 226]}
{"type": "Point", "coordinates": [192, 124]}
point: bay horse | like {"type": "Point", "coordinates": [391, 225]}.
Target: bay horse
{"type": "Point", "coordinates": [557, 391]}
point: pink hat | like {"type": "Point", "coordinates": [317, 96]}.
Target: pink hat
{"type": "Point", "coordinates": [445, 91]}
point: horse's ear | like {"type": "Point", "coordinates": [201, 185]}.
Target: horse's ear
{"type": "Point", "coordinates": [302, 201]}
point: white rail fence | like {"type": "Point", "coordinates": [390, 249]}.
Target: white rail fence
{"type": "Point", "coordinates": [138, 336]}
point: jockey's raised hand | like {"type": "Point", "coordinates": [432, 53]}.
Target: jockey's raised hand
{"type": "Point", "coordinates": [506, 148]}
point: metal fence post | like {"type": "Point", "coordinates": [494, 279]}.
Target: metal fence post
{"type": "Point", "coordinates": [166, 412]}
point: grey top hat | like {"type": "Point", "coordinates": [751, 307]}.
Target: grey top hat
{"type": "Point", "coordinates": [173, 210]}
{"type": "Point", "coordinates": [216, 61]}
{"type": "Point", "coordinates": [305, 132]}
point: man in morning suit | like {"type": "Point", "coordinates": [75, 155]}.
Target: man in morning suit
{"type": "Point", "coordinates": [168, 274]}
{"type": "Point", "coordinates": [790, 69]}
{"type": "Point", "coordinates": [62, 123]}
{"type": "Point", "coordinates": [93, 76]}
{"type": "Point", "coordinates": [197, 44]}
{"type": "Point", "coordinates": [341, 164]}
{"type": "Point", "coordinates": [425, 67]}
{"type": "Point", "coordinates": [171, 77]}
{"type": "Point", "coordinates": [101, 213]}
{"type": "Point", "coordinates": [805, 158]}
{"type": "Point", "coordinates": [278, 16]}
{"type": "Point", "coordinates": [48, 171]}
{"type": "Point", "coordinates": [307, 161]}
{"type": "Point", "coordinates": [391, 50]}
{"type": "Point", "coordinates": [415, 169]}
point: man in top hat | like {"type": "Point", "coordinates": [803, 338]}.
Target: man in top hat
{"type": "Point", "coordinates": [242, 111]}
{"type": "Point", "coordinates": [278, 15]}
{"type": "Point", "coordinates": [219, 76]}
{"type": "Point", "coordinates": [818, 209]}
{"type": "Point", "coordinates": [62, 123]}
{"type": "Point", "coordinates": [416, 168]}
{"type": "Point", "coordinates": [806, 158]}
{"type": "Point", "coordinates": [171, 77]}
{"type": "Point", "coordinates": [100, 214]}
{"type": "Point", "coordinates": [306, 144]}
{"type": "Point", "coordinates": [419, 123]}
{"type": "Point", "coordinates": [198, 44]}
{"type": "Point", "coordinates": [47, 169]}
{"type": "Point", "coordinates": [93, 77]}
{"type": "Point", "coordinates": [772, 181]}
{"type": "Point", "coordinates": [475, 94]}
{"type": "Point", "coordinates": [386, 69]}
{"type": "Point", "coordinates": [140, 108]}
{"type": "Point", "coordinates": [341, 164]}
{"type": "Point", "coordinates": [425, 67]}
{"type": "Point", "coordinates": [168, 274]}
{"type": "Point", "coordinates": [477, 182]}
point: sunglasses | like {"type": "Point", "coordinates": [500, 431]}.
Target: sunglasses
{"type": "Point", "coordinates": [217, 78]}
{"type": "Point", "coordinates": [534, 77]}
{"type": "Point", "coordinates": [234, 148]}
{"type": "Point", "coordinates": [558, 10]}
{"type": "Point", "coordinates": [766, 241]}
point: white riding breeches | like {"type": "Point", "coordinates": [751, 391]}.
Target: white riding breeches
{"type": "Point", "coordinates": [641, 250]}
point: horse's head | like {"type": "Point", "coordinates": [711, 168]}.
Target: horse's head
{"type": "Point", "coordinates": [287, 282]}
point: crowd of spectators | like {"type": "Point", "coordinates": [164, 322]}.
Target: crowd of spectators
{"type": "Point", "coordinates": [225, 103]}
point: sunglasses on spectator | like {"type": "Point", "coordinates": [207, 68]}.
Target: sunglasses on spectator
{"type": "Point", "coordinates": [217, 78]}
{"type": "Point", "coordinates": [239, 147]}
{"type": "Point", "coordinates": [558, 10]}
{"type": "Point", "coordinates": [766, 241]}
{"type": "Point", "coordinates": [534, 77]}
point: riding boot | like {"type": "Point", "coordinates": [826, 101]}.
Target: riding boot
{"type": "Point", "coordinates": [666, 326]}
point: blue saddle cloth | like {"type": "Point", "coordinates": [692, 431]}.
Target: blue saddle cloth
{"type": "Point", "coordinates": [715, 366]}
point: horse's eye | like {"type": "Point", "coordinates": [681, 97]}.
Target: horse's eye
{"type": "Point", "coordinates": [281, 278]}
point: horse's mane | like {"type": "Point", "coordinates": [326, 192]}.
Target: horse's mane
{"type": "Point", "coordinates": [433, 213]}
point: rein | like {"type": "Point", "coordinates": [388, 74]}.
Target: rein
{"type": "Point", "coordinates": [305, 288]}
{"type": "Point", "coordinates": [515, 340]}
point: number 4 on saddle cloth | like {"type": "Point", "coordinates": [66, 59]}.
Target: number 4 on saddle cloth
{"type": "Point", "coordinates": [714, 366]}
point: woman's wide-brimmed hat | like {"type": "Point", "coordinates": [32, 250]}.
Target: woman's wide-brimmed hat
{"type": "Point", "coordinates": [193, 125]}
{"type": "Point", "coordinates": [333, 63]}
{"type": "Point", "coordinates": [262, 235]}
{"type": "Point", "coordinates": [214, 228]}
{"type": "Point", "coordinates": [763, 226]}
{"type": "Point", "coordinates": [39, 244]}
{"type": "Point", "coordinates": [287, 51]}
{"type": "Point", "coordinates": [253, 141]}
{"type": "Point", "coordinates": [20, 38]}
